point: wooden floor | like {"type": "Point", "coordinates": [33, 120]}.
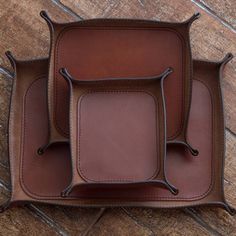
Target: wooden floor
{"type": "Point", "coordinates": [24, 33]}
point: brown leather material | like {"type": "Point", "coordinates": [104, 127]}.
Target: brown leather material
{"type": "Point", "coordinates": [38, 179]}
{"type": "Point", "coordinates": [118, 131]}
{"type": "Point", "coordinates": [101, 48]}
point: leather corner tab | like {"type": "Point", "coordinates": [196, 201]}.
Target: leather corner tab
{"type": "Point", "coordinates": [228, 57]}
{"type": "Point", "coordinates": [11, 58]}
{"type": "Point", "coordinates": [46, 17]}
{"type": "Point", "coordinates": [194, 17]}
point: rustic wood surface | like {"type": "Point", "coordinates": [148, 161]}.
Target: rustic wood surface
{"type": "Point", "coordinates": [24, 33]}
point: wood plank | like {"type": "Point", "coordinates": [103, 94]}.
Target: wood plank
{"type": "Point", "coordinates": [25, 33]}
{"type": "Point", "coordinates": [37, 214]}
{"type": "Point", "coordinates": [33, 41]}
{"type": "Point", "coordinates": [5, 88]}
{"type": "Point", "coordinates": [210, 38]}
{"type": "Point", "coordinates": [220, 221]}
{"type": "Point", "coordinates": [20, 221]}
{"type": "Point", "coordinates": [167, 222]}
{"type": "Point", "coordinates": [5, 177]}
{"type": "Point", "coordinates": [74, 220]}
{"type": "Point", "coordinates": [115, 222]}
{"type": "Point", "coordinates": [230, 162]}
{"type": "Point", "coordinates": [226, 9]}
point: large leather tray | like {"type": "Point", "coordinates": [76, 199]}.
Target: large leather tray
{"type": "Point", "coordinates": [42, 179]}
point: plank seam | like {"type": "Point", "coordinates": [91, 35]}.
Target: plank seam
{"type": "Point", "coordinates": [193, 214]}
{"type": "Point", "coordinates": [5, 185]}
{"type": "Point", "coordinates": [66, 9]}
{"type": "Point", "coordinates": [6, 72]}
{"type": "Point", "coordinates": [212, 13]}
{"type": "Point", "coordinates": [95, 221]}
{"type": "Point", "coordinates": [231, 132]}
{"type": "Point", "coordinates": [36, 212]}
{"type": "Point", "coordinates": [2, 185]}
{"type": "Point", "coordinates": [137, 221]}
{"type": "Point", "coordinates": [3, 165]}
{"type": "Point", "coordinates": [141, 2]}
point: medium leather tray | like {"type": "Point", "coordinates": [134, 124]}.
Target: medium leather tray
{"type": "Point", "coordinates": [102, 48]}
{"type": "Point", "coordinates": [118, 131]}
{"type": "Point", "coordinates": [35, 179]}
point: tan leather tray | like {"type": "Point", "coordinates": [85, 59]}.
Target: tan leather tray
{"type": "Point", "coordinates": [37, 179]}
{"type": "Point", "coordinates": [115, 48]}
{"type": "Point", "coordinates": [118, 131]}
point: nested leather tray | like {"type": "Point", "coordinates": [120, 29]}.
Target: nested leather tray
{"type": "Point", "coordinates": [118, 131]}
{"type": "Point", "coordinates": [38, 179]}
{"type": "Point", "coordinates": [102, 48]}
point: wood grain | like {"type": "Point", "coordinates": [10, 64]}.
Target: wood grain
{"type": "Point", "coordinates": [20, 221]}
{"type": "Point", "coordinates": [26, 34]}
{"type": "Point", "coordinates": [74, 220]}
{"type": "Point", "coordinates": [167, 222]}
{"type": "Point", "coordinates": [23, 31]}
{"type": "Point", "coordinates": [23, 224]}
{"type": "Point", "coordinates": [5, 88]}
{"type": "Point", "coordinates": [115, 222]}
{"type": "Point", "coordinates": [5, 177]}
{"type": "Point", "coordinates": [226, 9]}
{"type": "Point", "coordinates": [230, 163]}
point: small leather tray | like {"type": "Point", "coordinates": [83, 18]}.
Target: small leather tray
{"type": "Point", "coordinates": [118, 131]}
{"type": "Point", "coordinates": [102, 48]}
{"type": "Point", "coordinates": [200, 180]}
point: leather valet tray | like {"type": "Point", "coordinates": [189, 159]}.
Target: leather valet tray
{"type": "Point", "coordinates": [41, 179]}
{"type": "Point", "coordinates": [118, 131]}
{"type": "Point", "coordinates": [115, 48]}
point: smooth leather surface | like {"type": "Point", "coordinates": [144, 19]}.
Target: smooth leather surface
{"type": "Point", "coordinates": [117, 136]}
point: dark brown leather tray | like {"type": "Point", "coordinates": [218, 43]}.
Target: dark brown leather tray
{"type": "Point", "coordinates": [118, 131]}
{"type": "Point", "coordinates": [37, 179]}
{"type": "Point", "coordinates": [115, 48]}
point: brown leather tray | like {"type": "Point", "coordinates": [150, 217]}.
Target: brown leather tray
{"type": "Point", "coordinates": [37, 179]}
{"type": "Point", "coordinates": [115, 48]}
{"type": "Point", "coordinates": [118, 131]}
